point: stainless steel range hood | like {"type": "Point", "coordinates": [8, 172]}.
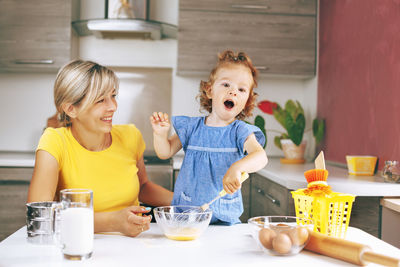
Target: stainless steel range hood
{"type": "Point", "coordinates": [132, 23]}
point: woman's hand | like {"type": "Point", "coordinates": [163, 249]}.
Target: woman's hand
{"type": "Point", "coordinates": [130, 222]}
{"type": "Point", "coordinates": [231, 181]}
{"type": "Point", "coordinates": [160, 123]}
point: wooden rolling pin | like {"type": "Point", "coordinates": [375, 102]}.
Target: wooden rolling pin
{"type": "Point", "coordinates": [347, 251]}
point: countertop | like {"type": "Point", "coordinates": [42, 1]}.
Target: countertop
{"type": "Point", "coordinates": [27, 159]}
{"type": "Point", "coordinates": [291, 176]}
{"type": "Point", "coordinates": [17, 159]}
{"type": "Point", "coordinates": [391, 203]}
{"type": "Point", "coordinates": [218, 246]}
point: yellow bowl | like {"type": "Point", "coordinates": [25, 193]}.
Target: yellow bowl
{"type": "Point", "coordinates": [361, 165]}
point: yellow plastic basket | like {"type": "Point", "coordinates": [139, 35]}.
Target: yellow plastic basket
{"type": "Point", "coordinates": [331, 215]}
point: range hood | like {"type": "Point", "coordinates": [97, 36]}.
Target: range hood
{"type": "Point", "coordinates": [125, 19]}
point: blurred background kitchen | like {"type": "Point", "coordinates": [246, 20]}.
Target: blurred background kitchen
{"type": "Point", "coordinates": [340, 59]}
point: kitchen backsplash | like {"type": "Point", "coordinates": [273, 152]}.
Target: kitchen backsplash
{"type": "Point", "coordinates": [26, 101]}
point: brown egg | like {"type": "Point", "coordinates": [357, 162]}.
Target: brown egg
{"type": "Point", "coordinates": [282, 243]}
{"type": "Point", "coordinates": [266, 236]}
{"type": "Point", "coordinates": [298, 235]}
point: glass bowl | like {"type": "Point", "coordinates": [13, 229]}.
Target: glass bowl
{"type": "Point", "coordinates": [280, 235]}
{"type": "Point", "coordinates": [182, 223]}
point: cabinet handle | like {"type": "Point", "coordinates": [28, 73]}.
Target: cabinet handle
{"type": "Point", "coordinates": [38, 61]}
{"type": "Point", "coordinates": [272, 199]}
{"type": "Point", "coordinates": [250, 6]}
{"type": "Point", "coordinates": [261, 67]}
{"type": "Point", "coordinates": [14, 182]}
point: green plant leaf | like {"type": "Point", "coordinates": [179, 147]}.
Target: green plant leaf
{"type": "Point", "coordinates": [260, 123]}
{"type": "Point", "coordinates": [318, 129]}
{"type": "Point", "coordinates": [291, 108]}
{"type": "Point", "coordinates": [277, 141]}
{"type": "Point", "coordinates": [300, 108]}
{"type": "Point", "coordinates": [295, 128]}
{"type": "Point", "coordinates": [294, 108]}
{"type": "Point", "coordinates": [280, 115]}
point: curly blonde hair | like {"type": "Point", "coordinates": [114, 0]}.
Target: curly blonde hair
{"type": "Point", "coordinates": [225, 58]}
{"type": "Point", "coordinates": [81, 83]}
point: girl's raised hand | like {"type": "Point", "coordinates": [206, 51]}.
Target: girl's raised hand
{"type": "Point", "coordinates": [231, 181]}
{"type": "Point", "coordinates": [160, 123]}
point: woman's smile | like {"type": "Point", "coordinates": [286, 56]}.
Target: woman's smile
{"type": "Point", "coordinates": [107, 119]}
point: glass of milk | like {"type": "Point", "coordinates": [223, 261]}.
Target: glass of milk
{"type": "Point", "coordinates": [76, 223]}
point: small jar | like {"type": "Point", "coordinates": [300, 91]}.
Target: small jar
{"type": "Point", "coordinates": [391, 171]}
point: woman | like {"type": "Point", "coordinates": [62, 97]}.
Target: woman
{"type": "Point", "coordinates": [90, 152]}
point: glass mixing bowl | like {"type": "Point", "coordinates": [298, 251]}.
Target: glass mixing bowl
{"type": "Point", "coordinates": [182, 223]}
{"type": "Point", "coordinates": [280, 235]}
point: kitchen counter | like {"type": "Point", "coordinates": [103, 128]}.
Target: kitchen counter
{"type": "Point", "coordinates": [17, 159]}
{"type": "Point", "coordinates": [218, 246]}
{"type": "Point", "coordinates": [291, 176]}
{"type": "Point", "coordinates": [391, 203]}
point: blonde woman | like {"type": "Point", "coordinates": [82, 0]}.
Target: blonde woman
{"type": "Point", "coordinates": [91, 152]}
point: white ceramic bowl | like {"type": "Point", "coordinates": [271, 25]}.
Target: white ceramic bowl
{"type": "Point", "coordinates": [182, 223]}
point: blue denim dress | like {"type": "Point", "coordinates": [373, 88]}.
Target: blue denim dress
{"type": "Point", "coordinates": [209, 152]}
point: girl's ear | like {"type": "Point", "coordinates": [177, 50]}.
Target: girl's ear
{"type": "Point", "coordinates": [208, 91]}
{"type": "Point", "coordinates": [70, 110]}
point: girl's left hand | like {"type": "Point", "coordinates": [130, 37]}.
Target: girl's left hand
{"type": "Point", "coordinates": [231, 181]}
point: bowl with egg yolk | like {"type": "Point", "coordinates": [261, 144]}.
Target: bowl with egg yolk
{"type": "Point", "coordinates": [182, 223]}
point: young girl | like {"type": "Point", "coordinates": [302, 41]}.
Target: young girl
{"type": "Point", "coordinates": [218, 147]}
{"type": "Point", "coordinates": [89, 152]}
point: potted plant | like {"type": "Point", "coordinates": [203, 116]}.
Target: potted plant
{"type": "Point", "coordinates": [292, 118]}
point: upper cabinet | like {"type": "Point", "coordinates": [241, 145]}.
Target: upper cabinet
{"type": "Point", "coordinates": [35, 35]}
{"type": "Point", "coordinates": [278, 35]}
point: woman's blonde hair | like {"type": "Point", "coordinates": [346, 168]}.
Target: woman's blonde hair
{"type": "Point", "coordinates": [81, 83]}
{"type": "Point", "coordinates": [225, 58]}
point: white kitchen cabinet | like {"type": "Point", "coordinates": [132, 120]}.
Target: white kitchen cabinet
{"type": "Point", "coordinates": [36, 35]}
{"type": "Point", "coordinates": [280, 38]}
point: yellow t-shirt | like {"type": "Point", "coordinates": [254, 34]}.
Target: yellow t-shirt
{"type": "Point", "coordinates": [111, 173]}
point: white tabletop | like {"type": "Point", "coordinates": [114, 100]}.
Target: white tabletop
{"type": "Point", "coordinates": [218, 246]}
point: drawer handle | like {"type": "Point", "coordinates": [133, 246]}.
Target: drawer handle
{"type": "Point", "coordinates": [272, 199]}
{"type": "Point", "coordinates": [250, 6]}
{"type": "Point", "coordinates": [261, 67]}
{"type": "Point", "coordinates": [14, 182]}
{"type": "Point", "coordinates": [39, 61]}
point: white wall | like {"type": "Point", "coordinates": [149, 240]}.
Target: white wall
{"type": "Point", "coordinates": [26, 99]}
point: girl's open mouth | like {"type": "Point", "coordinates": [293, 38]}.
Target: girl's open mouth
{"type": "Point", "coordinates": [229, 104]}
